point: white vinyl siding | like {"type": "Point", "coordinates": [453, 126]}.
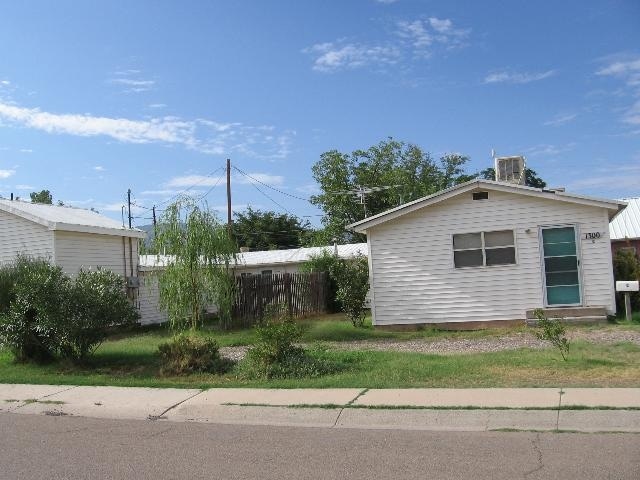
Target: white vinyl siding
{"type": "Point", "coordinates": [74, 251]}
{"type": "Point", "coordinates": [413, 273]}
{"type": "Point", "coordinates": [21, 236]}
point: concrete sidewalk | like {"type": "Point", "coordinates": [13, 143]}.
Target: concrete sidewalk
{"type": "Point", "coordinates": [609, 409]}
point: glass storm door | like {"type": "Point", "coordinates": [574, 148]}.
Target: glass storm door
{"type": "Point", "coordinates": [561, 266]}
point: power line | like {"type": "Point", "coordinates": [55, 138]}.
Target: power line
{"type": "Point", "coordinates": [189, 188]}
{"type": "Point", "coordinates": [271, 187]}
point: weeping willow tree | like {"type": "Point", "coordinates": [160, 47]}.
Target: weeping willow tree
{"type": "Point", "coordinates": [197, 273]}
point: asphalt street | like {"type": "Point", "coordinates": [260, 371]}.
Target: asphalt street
{"type": "Point", "coordinates": [65, 447]}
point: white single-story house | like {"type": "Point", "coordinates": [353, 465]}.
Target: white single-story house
{"type": "Point", "coordinates": [624, 229]}
{"type": "Point", "coordinates": [247, 263]}
{"type": "Point", "coordinates": [72, 238]}
{"type": "Point", "coordinates": [486, 252]}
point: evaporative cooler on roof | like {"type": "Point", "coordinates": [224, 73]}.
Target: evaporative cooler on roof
{"type": "Point", "coordinates": [510, 170]}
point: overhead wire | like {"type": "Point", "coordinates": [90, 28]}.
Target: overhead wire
{"type": "Point", "coordinates": [270, 186]}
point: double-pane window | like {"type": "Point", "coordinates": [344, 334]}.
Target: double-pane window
{"type": "Point", "coordinates": [483, 249]}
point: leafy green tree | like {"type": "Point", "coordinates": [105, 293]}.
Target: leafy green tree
{"type": "Point", "coordinates": [267, 230]}
{"type": "Point", "coordinates": [324, 263]}
{"type": "Point", "coordinates": [531, 178]}
{"type": "Point", "coordinates": [404, 170]}
{"type": "Point", "coordinates": [352, 277]}
{"type": "Point", "coordinates": [43, 196]}
{"type": "Point", "coordinates": [198, 274]}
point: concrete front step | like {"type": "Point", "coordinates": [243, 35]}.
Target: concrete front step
{"type": "Point", "coordinates": [571, 314]}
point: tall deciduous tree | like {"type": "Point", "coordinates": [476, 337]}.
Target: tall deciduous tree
{"type": "Point", "coordinates": [531, 178]}
{"type": "Point", "coordinates": [43, 196]}
{"type": "Point", "coordinates": [198, 273]}
{"type": "Point", "coordinates": [404, 170]}
{"type": "Point", "coordinates": [267, 230]}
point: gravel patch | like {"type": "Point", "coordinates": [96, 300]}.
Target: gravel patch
{"type": "Point", "coordinates": [465, 345]}
{"type": "Point", "coordinates": [234, 353]}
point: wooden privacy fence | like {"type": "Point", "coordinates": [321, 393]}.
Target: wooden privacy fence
{"type": "Point", "coordinates": [297, 294]}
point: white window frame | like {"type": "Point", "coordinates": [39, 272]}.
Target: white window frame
{"type": "Point", "coordinates": [484, 248]}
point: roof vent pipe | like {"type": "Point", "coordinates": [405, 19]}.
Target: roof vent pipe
{"type": "Point", "coordinates": [12, 196]}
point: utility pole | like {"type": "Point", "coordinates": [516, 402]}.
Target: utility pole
{"type": "Point", "coordinates": [129, 205]}
{"type": "Point", "coordinates": [229, 196]}
{"type": "Point", "coordinates": [154, 220]}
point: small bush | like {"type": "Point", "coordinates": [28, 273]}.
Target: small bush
{"type": "Point", "coordinates": [553, 331]}
{"type": "Point", "coordinates": [185, 354]}
{"type": "Point", "coordinates": [352, 278]}
{"type": "Point", "coordinates": [275, 354]}
{"type": "Point", "coordinates": [95, 304]}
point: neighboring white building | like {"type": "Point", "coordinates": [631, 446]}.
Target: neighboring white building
{"type": "Point", "coordinates": [247, 263]}
{"type": "Point", "coordinates": [72, 238]}
{"type": "Point", "coordinates": [625, 228]}
{"type": "Point", "coordinates": [488, 251]}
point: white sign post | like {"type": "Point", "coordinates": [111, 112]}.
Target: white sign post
{"type": "Point", "coordinates": [627, 287]}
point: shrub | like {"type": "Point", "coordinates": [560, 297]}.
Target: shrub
{"type": "Point", "coordinates": [44, 314]}
{"type": "Point", "coordinates": [352, 277]}
{"type": "Point", "coordinates": [95, 304]}
{"type": "Point", "coordinates": [553, 331]}
{"type": "Point", "coordinates": [626, 266]}
{"type": "Point", "coordinates": [33, 307]}
{"type": "Point", "coordinates": [324, 263]}
{"type": "Point", "coordinates": [275, 354]}
{"type": "Point", "coordinates": [186, 354]}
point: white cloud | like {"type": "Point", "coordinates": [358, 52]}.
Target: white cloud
{"type": "Point", "coordinates": [5, 83]}
{"type": "Point", "coordinates": [560, 119]}
{"type": "Point", "coordinates": [619, 180]}
{"type": "Point", "coordinates": [626, 68]}
{"type": "Point", "coordinates": [336, 56]}
{"type": "Point", "coordinates": [547, 150]}
{"type": "Point", "coordinates": [202, 135]}
{"type": "Point", "coordinates": [157, 105]}
{"type": "Point", "coordinates": [6, 173]}
{"type": "Point", "coordinates": [386, 2]}
{"type": "Point", "coordinates": [632, 115]}
{"type": "Point", "coordinates": [517, 77]}
{"type": "Point", "coordinates": [309, 189]}
{"type": "Point", "coordinates": [117, 207]}
{"type": "Point", "coordinates": [410, 40]}
{"type": "Point", "coordinates": [141, 84]}
{"type": "Point", "coordinates": [190, 180]}
{"type": "Point", "coordinates": [424, 33]}
{"type": "Point", "coordinates": [25, 187]}
{"type": "Point", "coordinates": [132, 81]}
{"type": "Point", "coordinates": [99, 168]}
{"type": "Point", "coordinates": [209, 181]}
{"type": "Point", "coordinates": [273, 180]}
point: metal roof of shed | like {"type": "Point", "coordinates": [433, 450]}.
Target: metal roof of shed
{"type": "Point", "coordinates": [627, 223]}
{"type": "Point", "coordinates": [270, 257]}
{"type": "Point", "coordinates": [69, 219]}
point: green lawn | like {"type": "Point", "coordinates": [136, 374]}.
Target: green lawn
{"type": "Point", "coordinates": [129, 360]}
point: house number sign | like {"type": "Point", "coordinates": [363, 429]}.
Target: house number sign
{"type": "Point", "coordinates": [592, 235]}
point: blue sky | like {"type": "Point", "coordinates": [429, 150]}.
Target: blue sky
{"type": "Point", "coordinates": [99, 97]}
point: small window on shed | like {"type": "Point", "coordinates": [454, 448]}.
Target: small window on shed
{"type": "Point", "coordinates": [481, 195]}
{"type": "Point", "coordinates": [266, 272]}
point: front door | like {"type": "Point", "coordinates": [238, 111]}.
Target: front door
{"type": "Point", "coordinates": [561, 266]}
